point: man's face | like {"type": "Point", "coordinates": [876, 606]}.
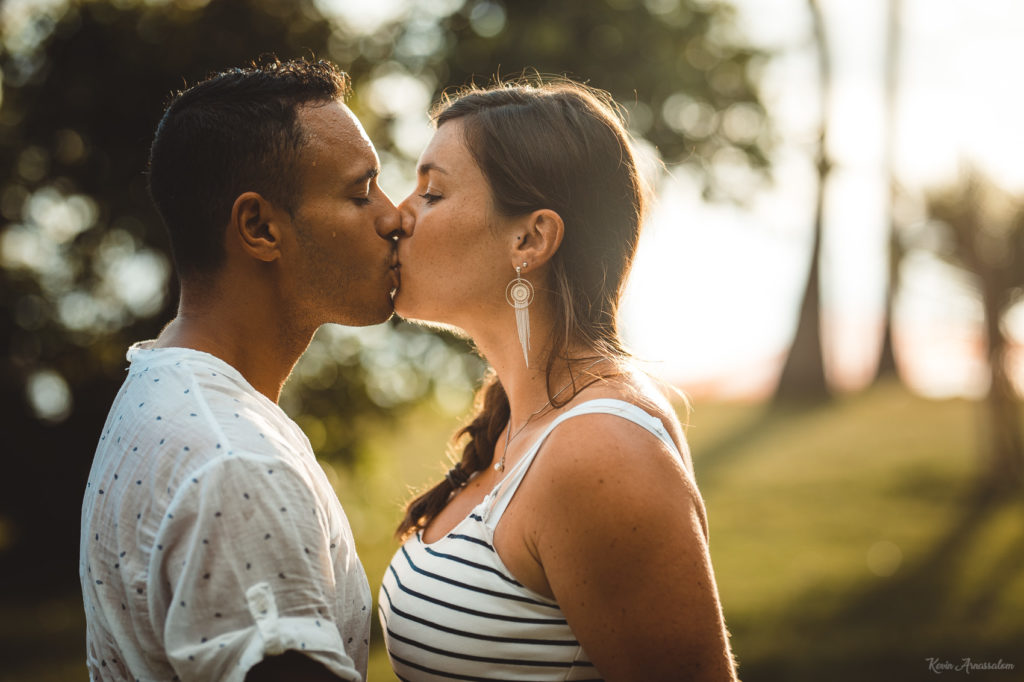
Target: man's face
{"type": "Point", "coordinates": [342, 268]}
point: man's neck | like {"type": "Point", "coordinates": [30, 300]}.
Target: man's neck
{"type": "Point", "coordinates": [262, 349]}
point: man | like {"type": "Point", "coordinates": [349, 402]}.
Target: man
{"type": "Point", "coordinates": [213, 547]}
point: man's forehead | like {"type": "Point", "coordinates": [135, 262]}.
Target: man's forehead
{"type": "Point", "coordinates": [331, 119]}
{"type": "Point", "coordinates": [332, 126]}
{"type": "Point", "coordinates": [359, 126]}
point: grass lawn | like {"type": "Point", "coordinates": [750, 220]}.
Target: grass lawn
{"type": "Point", "coordinates": [846, 542]}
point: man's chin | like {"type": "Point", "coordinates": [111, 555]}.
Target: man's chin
{"type": "Point", "coordinates": [368, 316]}
{"type": "Point", "coordinates": [410, 317]}
{"type": "Point", "coordinates": [385, 313]}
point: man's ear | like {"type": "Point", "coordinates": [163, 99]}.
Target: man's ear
{"type": "Point", "coordinates": [537, 238]}
{"type": "Point", "coordinates": [255, 227]}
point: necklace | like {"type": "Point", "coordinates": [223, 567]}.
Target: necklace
{"type": "Point", "coordinates": [509, 436]}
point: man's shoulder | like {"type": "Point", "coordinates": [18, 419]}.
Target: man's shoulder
{"type": "Point", "coordinates": [185, 403]}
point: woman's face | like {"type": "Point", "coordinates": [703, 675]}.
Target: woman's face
{"type": "Point", "coordinates": [454, 251]}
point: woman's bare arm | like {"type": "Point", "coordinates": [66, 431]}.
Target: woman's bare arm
{"type": "Point", "coordinates": [621, 539]}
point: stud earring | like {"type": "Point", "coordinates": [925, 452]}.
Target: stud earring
{"type": "Point", "coordinates": [519, 294]}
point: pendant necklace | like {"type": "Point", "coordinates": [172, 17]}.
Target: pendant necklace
{"type": "Point", "coordinates": [509, 436]}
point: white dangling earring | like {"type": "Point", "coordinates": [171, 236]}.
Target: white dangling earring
{"type": "Point", "coordinates": [519, 294]}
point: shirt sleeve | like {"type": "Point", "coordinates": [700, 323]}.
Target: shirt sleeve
{"type": "Point", "coordinates": [242, 569]}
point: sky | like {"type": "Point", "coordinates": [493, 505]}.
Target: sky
{"type": "Point", "coordinates": [713, 299]}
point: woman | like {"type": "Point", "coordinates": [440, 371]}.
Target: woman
{"type": "Point", "coordinates": [570, 541]}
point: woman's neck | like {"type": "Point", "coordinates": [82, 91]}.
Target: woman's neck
{"type": "Point", "coordinates": [531, 392]}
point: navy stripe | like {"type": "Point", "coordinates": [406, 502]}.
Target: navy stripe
{"type": "Point", "coordinates": [474, 612]}
{"type": "Point", "coordinates": [476, 517]}
{"type": "Point", "coordinates": [454, 676]}
{"type": "Point", "coordinates": [482, 659]}
{"type": "Point", "coordinates": [442, 673]}
{"type": "Point", "coordinates": [456, 583]}
{"type": "Point", "coordinates": [474, 564]}
{"type": "Point", "coordinates": [469, 538]}
{"type": "Point", "coordinates": [473, 635]}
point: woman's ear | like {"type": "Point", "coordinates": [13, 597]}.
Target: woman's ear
{"type": "Point", "coordinates": [537, 238]}
{"type": "Point", "coordinates": [254, 227]}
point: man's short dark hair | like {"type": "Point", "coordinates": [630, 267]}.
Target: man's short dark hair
{"type": "Point", "coordinates": [237, 131]}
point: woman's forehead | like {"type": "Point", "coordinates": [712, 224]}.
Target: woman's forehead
{"type": "Point", "coordinates": [446, 152]}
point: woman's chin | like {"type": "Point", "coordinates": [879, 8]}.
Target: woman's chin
{"type": "Point", "coordinates": [402, 305]}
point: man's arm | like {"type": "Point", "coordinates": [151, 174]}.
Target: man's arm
{"type": "Point", "coordinates": [246, 569]}
{"type": "Point", "coordinates": [291, 666]}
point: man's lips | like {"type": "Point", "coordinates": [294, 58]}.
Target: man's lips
{"type": "Point", "coordinates": [396, 274]}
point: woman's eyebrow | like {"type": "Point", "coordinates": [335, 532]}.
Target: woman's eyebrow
{"type": "Point", "coordinates": [427, 167]}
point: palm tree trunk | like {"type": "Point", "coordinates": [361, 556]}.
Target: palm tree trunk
{"type": "Point", "coordinates": [1006, 445]}
{"type": "Point", "coordinates": [887, 358]}
{"type": "Point", "coordinates": [803, 375]}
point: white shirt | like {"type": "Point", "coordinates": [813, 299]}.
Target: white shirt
{"type": "Point", "coordinates": [211, 537]}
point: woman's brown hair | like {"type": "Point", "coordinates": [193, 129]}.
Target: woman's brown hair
{"type": "Point", "coordinates": [560, 146]}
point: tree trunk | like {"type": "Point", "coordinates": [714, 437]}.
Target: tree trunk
{"type": "Point", "coordinates": [1006, 444]}
{"type": "Point", "coordinates": [887, 358]}
{"type": "Point", "coordinates": [886, 368]}
{"type": "Point", "coordinates": [803, 376]}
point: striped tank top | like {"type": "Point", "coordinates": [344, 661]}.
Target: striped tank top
{"type": "Point", "coordinates": [450, 610]}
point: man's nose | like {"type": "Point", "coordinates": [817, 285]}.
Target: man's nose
{"type": "Point", "coordinates": [389, 223]}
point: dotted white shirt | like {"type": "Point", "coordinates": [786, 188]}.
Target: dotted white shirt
{"type": "Point", "coordinates": [210, 535]}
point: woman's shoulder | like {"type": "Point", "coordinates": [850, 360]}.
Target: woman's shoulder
{"type": "Point", "coordinates": [616, 438]}
{"type": "Point", "coordinates": [598, 459]}
{"type": "Point", "coordinates": [645, 396]}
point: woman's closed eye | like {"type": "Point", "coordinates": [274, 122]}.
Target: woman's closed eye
{"type": "Point", "coordinates": [430, 197]}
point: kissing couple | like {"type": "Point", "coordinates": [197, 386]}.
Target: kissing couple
{"type": "Point", "coordinates": [569, 542]}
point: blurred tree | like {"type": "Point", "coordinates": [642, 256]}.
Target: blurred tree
{"type": "Point", "coordinates": [887, 356]}
{"type": "Point", "coordinates": [803, 374]}
{"type": "Point", "coordinates": [983, 234]}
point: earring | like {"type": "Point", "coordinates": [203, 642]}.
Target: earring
{"type": "Point", "coordinates": [519, 294]}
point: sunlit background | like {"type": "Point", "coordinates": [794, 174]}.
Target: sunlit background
{"type": "Point", "coordinates": [740, 272]}
{"type": "Point", "coordinates": [833, 272]}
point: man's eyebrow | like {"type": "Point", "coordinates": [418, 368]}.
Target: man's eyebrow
{"type": "Point", "coordinates": [427, 167]}
{"type": "Point", "coordinates": [370, 174]}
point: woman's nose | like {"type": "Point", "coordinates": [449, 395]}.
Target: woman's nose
{"type": "Point", "coordinates": [390, 220]}
{"type": "Point", "coordinates": [407, 218]}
